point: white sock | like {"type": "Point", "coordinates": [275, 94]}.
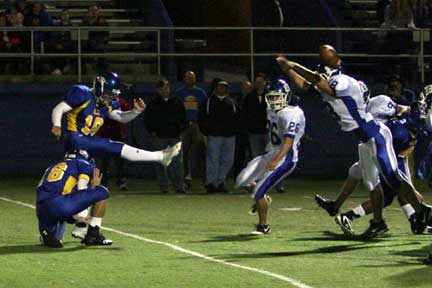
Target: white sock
{"type": "Point", "coordinates": [408, 210]}
{"type": "Point", "coordinates": [96, 221]}
{"type": "Point", "coordinates": [134, 154]}
{"type": "Point", "coordinates": [359, 211]}
{"type": "Point", "coordinates": [83, 214]}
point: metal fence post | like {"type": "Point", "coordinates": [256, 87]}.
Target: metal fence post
{"type": "Point", "coordinates": [32, 52]}
{"type": "Point", "coordinates": [158, 52]}
{"type": "Point", "coordinates": [252, 51]}
{"type": "Point", "coordinates": [79, 56]}
{"type": "Point", "coordinates": [421, 55]}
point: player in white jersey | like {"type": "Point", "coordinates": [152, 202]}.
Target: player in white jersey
{"type": "Point", "coordinates": [286, 126]}
{"type": "Point", "coordinates": [404, 131]}
{"type": "Point", "coordinates": [376, 156]}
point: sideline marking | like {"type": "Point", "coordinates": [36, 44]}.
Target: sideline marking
{"type": "Point", "coordinates": [289, 280]}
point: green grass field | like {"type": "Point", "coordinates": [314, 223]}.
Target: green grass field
{"type": "Point", "coordinates": [202, 241]}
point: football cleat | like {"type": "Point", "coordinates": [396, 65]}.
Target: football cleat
{"type": "Point", "coordinates": [95, 238]}
{"type": "Point", "coordinates": [253, 208]}
{"type": "Point", "coordinates": [375, 229]}
{"type": "Point", "coordinates": [169, 153]}
{"type": "Point", "coordinates": [80, 230]}
{"type": "Point", "coordinates": [48, 239]}
{"type": "Point", "coordinates": [345, 224]}
{"type": "Point", "coordinates": [261, 229]}
{"type": "Point", "coordinates": [326, 204]}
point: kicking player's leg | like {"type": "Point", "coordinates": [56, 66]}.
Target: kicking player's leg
{"type": "Point", "coordinates": [98, 146]}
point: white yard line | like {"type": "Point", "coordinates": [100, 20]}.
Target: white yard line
{"type": "Point", "coordinates": [289, 280]}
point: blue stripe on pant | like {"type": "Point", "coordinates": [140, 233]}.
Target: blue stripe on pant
{"type": "Point", "coordinates": [95, 146]}
{"type": "Point", "coordinates": [390, 175]}
{"type": "Point", "coordinates": [276, 176]}
{"type": "Point", "coordinates": [62, 207]}
{"type": "Point", "coordinates": [389, 192]}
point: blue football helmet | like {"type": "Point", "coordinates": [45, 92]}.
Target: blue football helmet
{"type": "Point", "coordinates": [277, 95]}
{"type": "Point", "coordinates": [107, 87]}
{"type": "Point", "coordinates": [365, 91]}
{"type": "Point", "coordinates": [80, 155]}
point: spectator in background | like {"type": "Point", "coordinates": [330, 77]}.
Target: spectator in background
{"type": "Point", "coordinates": [242, 141]}
{"type": "Point", "coordinates": [192, 98]}
{"type": "Point", "coordinates": [11, 42]}
{"type": "Point", "coordinates": [22, 6]}
{"type": "Point", "coordinates": [97, 40]}
{"type": "Point", "coordinates": [38, 17]}
{"type": "Point", "coordinates": [61, 42]}
{"type": "Point", "coordinates": [423, 13]}
{"type": "Point", "coordinates": [396, 90]}
{"type": "Point", "coordinates": [165, 119]}
{"type": "Point", "coordinates": [219, 121]}
{"type": "Point", "coordinates": [380, 10]}
{"type": "Point", "coordinates": [254, 116]}
{"type": "Point", "coordinates": [399, 14]}
{"type": "Point", "coordinates": [114, 131]}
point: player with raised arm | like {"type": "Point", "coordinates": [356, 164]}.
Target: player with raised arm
{"type": "Point", "coordinates": [345, 99]}
{"type": "Point", "coordinates": [86, 110]}
{"type": "Point", "coordinates": [286, 125]}
{"type": "Point", "coordinates": [405, 132]}
{"type": "Point", "coordinates": [66, 188]}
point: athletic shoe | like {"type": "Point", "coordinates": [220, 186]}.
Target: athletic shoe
{"type": "Point", "coordinates": [169, 153]}
{"type": "Point", "coordinates": [48, 239]}
{"type": "Point", "coordinates": [188, 182]}
{"type": "Point", "coordinates": [80, 230]}
{"type": "Point", "coordinates": [418, 222]}
{"type": "Point", "coordinates": [375, 229]}
{"type": "Point", "coordinates": [326, 204]}
{"type": "Point", "coordinates": [261, 229]}
{"type": "Point", "coordinates": [211, 188]}
{"type": "Point", "coordinates": [253, 209]}
{"type": "Point", "coordinates": [345, 224]}
{"type": "Point", "coordinates": [95, 238]}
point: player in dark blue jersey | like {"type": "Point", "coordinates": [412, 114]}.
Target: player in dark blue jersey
{"type": "Point", "coordinates": [66, 188]}
{"type": "Point", "coordinates": [86, 110]}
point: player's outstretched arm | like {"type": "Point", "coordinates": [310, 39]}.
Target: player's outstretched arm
{"type": "Point", "coordinates": [298, 80]}
{"type": "Point", "coordinates": [285, 148]}
{"type": "Point", "coordinates": [56, 118]}
{"type": "Point", "coordinates": [127, 116]}
{"type": "Point", "coordinates": [310, 76]}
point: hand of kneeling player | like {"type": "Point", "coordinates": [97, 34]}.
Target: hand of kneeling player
{"type": "Point", "coordinates": [56, 131]}
{"type": "Point", "coordinates": [97, 177]}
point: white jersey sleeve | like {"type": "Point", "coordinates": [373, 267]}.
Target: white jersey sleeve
{"type": "Point", "coordinates": [382, 107]}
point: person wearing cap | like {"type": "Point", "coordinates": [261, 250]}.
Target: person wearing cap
{"type": "Point", "coordinates": [219, 122]}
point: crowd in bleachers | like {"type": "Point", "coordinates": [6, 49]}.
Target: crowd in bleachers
{"type": "Point", "coordinates": [405, 13]}
{"type": "Point", "coordinates": [34, 14]}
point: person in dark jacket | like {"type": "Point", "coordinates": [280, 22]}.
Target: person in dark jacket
{"type": "Point", "coordinates": [165, 120]}
{"type": "Point", "coordinates": [254, 116]}
{"type": "Point", "coordinates": [219, 120]}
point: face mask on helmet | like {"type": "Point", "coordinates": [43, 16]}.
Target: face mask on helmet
{"type": "Point", "coordinates": [426, 95]}
{"type": "Point", "coordinates": [365, 91]}
{"type": "Point", "coordinates": [326, 72]}
{"type": "Point", "coordinates": [107, 88]}
{"type": "Point", "coordinates": [418, 111]}
{"type": "Point", "coordinates": [278, 95]}
{"type": "Point", "coordinates": [81, 155]}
